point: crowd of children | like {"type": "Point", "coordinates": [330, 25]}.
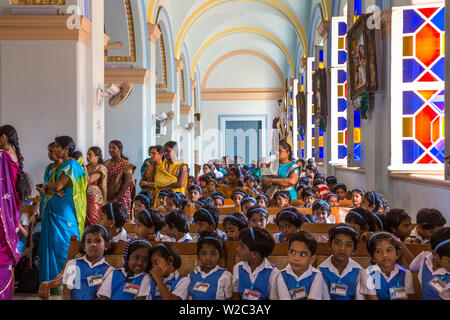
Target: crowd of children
{"type": "Point", "coordinates": [151, 272]}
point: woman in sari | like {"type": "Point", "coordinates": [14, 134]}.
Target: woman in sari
{"type": "Point", "coordinates": [14, 188]}
{"type": "Point", "coordinates": [65, 211]}
{"type": "Point", "coordinates": [96, 193]}
{"type": "Point", "coordinates": [288, 171]}
{"type": "Point", "coordinates": [148, 176]}
{"type": "Point", "coordinates": [49, 175]}
{"type": "Point", "coordinates": [120, 180]}
{"type": "Point", "coordinates": [173, 172]}
{"type": "Point", "coordinates": [233, 182]}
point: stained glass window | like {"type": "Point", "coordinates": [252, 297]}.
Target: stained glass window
{"type": "Point", "coordinates": [418, 87]}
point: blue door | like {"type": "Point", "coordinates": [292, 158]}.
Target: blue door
{"type": "Point", "coordinates": [243, 139]}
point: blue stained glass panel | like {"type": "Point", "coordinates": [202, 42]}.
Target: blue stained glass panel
{"type": "Point", "coordinates": [320, 132]}
{"type": "Point", "coordinates": [357, 152]}
{"type": "Point", "coordinates": [411, 102]}
{"type": "Point", "coordinates": [438, 68]}
{"type": "Point", "coordinates": [342, 152]}
{"type": "Point", "coordinates": [303, 153]}
{"type": "Point", "coordinates": [313, 120]}
{"type": "Point", "coordinates": [411, 21]}
{"type": "Point", "coordinates": [342, 57]}
{"type": "Point", "coordinates": [439, 101]}
{"type": "Point", "coordinates": [342, 105]}
{"type": "Point", "coordinates": [439, 19]}
{"type": "Point", "coordinates": [411, 70]}
{"type": "Point", "coordinates": [342, 28]}
{"type": "Point", "coordinates": [321, 153]}
{"type": "Point", "coordinates": [342, 76]}
{"type": "Point", "coordinates": [439, 150]}
{"type": "Point", "coordinates": [342, 124]}
{"type": "Point", "coordinates": [357, 119]}
{"type": "Point", "coordinates": [411, 151]}
{"type": "Point", "coordinates": [313, 132]}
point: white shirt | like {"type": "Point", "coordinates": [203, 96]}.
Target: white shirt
{"type": "Point", "coordinates": [181, 289]}
{"type": "Point", "coordinates": [69, 275]}
{"type": "Point", "coordinates": [350, 266]}
{"type": "Point", "coordinates": [186, 236]}
{"type": "Point", "coordinates": [224, 284]}
{"type": "Point", "coordinates": [105, 288]}
{"type": "Point", "coordinates": [273, 290]}
{"type": "Point", "coordinates": [162, 238]}
{"type": "Point", "coordinates": [122, 236]}
{"type": "Point", "coordinates": [318, 290]}
{"type": "Point", "coordinates": [414, 234]}
{"type": "Point", "coordinates": [417, 265]}
{"type": "Point", "coordinates": [367, 283]}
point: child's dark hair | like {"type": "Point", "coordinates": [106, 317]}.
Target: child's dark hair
{"type": "Point", "coordinates": [343, 228]}
{"type": "Point", "coordinates": [362, 217]}
{"type": "Point", "coordinates": [371, 243]}
{"type": "Point", "coordinates": [373, 198]}
{"type": "Point", "coordinates": [290, 215]}
{"type": "Point", "coordinates": [380, 220]}
{"type": "Point", "coordinates": [212, 239]}
{"type": "Point", "coordinates": [165, 192]}
{"type": "Point", "coordinates": [255, 210]}
{"type": "Point", "coordinates": [247, 200]}
{"type": "Point", "coordinates": [132, 246]}
{"type": "Point", "coordinates": [321, 204]}
{"type": "Point", "coordinates": [216, 184]}
{"type": "Point", "coordinates": [331, 179]}
{"type": "Point", "coordinates": [168, 252]}
{"type": "Point", "coordinates": [206, 201]}
{"type": "Point", "coordinates": [319, 176]}
{"type": "Point", "coordinates": [195, 187]}
{"type": "Point", "coordinates": [430, 218]}
{"type": "Point", "coordinates": [146, 198]}
{"type": "Point", "coordinates": [239, 191]}
{"type": "Point", "coordinates": [178, 199]}
{"type": "Point", "coordinates": [208, 214]}
{"type": "Point", "coordinates": [340, 186]}
{"type": "Point", "coordinates": [151, 218]}
{"type": "Point", "coordinates": [263, 197]}
{"type": "Point", "coordinates": [97, 228]}
{"type": "Point", "coordinates": [302, 181]}
{"type": "Point", "coordinates": [116, 212]}
{"type": "Point", "coordinates": [440, 242]}
{"type": "Point", "coordinates": [177, 219]}
{"type": "Point", "coordinates": [236, 219]}
{"type": "Point", "coordinates": [359, 191]}
{"type": "Point", "coordinates": [394, 218]}
{"type": "Point", "coordinates": [308, 192]}
{"type": "Point", "coordinates": [311, 168]}
{"type": "Point", "coordinates": [205, 178]}
{"type": "Point", "coordinates": [328, 196]}
{"type": "Point", "coordinates": [307, 238]}
{"type": "Point", "coordinates": [258, 240]}
{"type": "Point", "coordinates": [284, 194]}
{"type": "Point", "coordinates": [220, 196]}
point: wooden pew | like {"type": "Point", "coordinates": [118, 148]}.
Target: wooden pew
{"type": "Point", "coordinates": [345, 203]}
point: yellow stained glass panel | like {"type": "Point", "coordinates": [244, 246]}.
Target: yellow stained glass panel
{"type": "Point", "coordinates": [408, 46]}
{"type": "Point", "coordinates": [340, 138]}
{"type": "Point", "coordinates": [313, 141]}
{"type": "Point", "coordinates": [357, 135]}
{"type": "Point", "coordinates": [320, 141]}
{"type": "Point", "coordinates": [407, 127]}
{"type": "Point", "coordinates": [340, 91]}
{"type": "Point", "coordinates": [341, 43]}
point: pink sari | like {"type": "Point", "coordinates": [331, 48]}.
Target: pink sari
{"type": "Point", "coordinates": [116, 177]}
{"type": "Point", "coordinates": [9, 224]}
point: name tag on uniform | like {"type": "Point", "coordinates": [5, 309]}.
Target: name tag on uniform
{"type": "Point", "coordinates": [157, 294]}
{"type": "Point", "coordinates": [298, 293]}
{"type": "Point", "coordinates": [201, 287]}
{"type": "Point", "coordinates": [131, 288]}
{"type": "Point", "coordinates": [397, 293]}
{"type": "Point", "coordinates": [438, 284]}
{"type": "Point", "coordinates": [94, 281]}
{"type": "Point", "coordinates": [338, 289]}
{"type": "Point", "coordinates": [251, 295]}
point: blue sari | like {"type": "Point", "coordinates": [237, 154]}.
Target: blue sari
{"type": "Point", "coordinates": [284, 171]}
{"type": "Point", "coordinates": [62, 218]}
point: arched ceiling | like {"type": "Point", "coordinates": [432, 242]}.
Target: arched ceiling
{"type": "Point", "coordinates": [211, 28]}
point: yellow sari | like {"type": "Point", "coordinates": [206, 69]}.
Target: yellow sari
{"type": "Point", "coordinates": [167, 174]}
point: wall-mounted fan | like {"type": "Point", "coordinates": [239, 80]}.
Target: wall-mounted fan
{"type": "Point", "coordinates": [162, 121]}
{"type": "Point", "coordinates": [117, 95]}
{"type": "Point", "coordinates": [188, 126]}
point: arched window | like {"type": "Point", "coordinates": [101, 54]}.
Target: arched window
{"type": "Point", "coordinates": [161, 64]}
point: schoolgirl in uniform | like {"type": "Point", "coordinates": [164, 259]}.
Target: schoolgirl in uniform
{"type": "Point", "coordinates": [209, 281]}
{"type": "Point", "coordinates": [257, 217]}
{"type": "Point", "coordinates": [82, 277]}
{"type": "Point", "coordinates": [233, 224]}
{"type": "Point", "coordinates": [433, 267]}
{"type": "Point", "coordinates": [299, 280]}
{"type": "Point", "coordinates": [194, 193]}
{"type": "Point", "coordinates": [219, 200]}
{"type": "Point", "coordinates": [340, 272]}
{"type": "Point", "coordinates": [321, 211]}
{"type": "Point", "coordinates": [166, 283]}
{"type": "Point", "coordinates": [263, 201]}
{"type": "Point", "coordinates": [283, 199]}
{"type": "Point", "coordinates": [176, 200]}
{"type": "Point", "coordinates": [361, 220]}
{"type": "Point", "coordinates": [246, 203]}
{"type": "Point", "coordinates": [130, 282]}
{"type": "Point", "coordinates": [398, 222]}
{"type": "Point", "coordinates": [113, 218]}
{"type": "Point", "coordinates": [237, 196]}
{"type": "Point", "coordinates": [386, 280]}
{"type": "Point", "coordinates": [357, 195]}
{"type": "Point", "coordinates": [178, 226]}
{"type": "Point", "coordinates": [149, 223]}
{"type": "Point", "coordinates": [207, 219]}
{"type": "Point", "coordinates": [254, 278]}
{"type": "Point", "coordinates": [143, 200]}
{"type": "Point", "coordinates": [289, 220]}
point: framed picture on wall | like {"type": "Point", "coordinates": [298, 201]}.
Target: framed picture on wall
{"type": "Point", "coordinates": [320, 93]}
{"type": "Point", "coordinates": [301, 109]}
{"type": "Point", "coordinates": [362, 58]}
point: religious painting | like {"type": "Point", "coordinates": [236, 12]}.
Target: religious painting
{"type": "Point", "coordinates": [301, 109]}
{"type": "Point", "coordinates": [320, 93]}
{"type": "Point", "coordinates": [362, 58]}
